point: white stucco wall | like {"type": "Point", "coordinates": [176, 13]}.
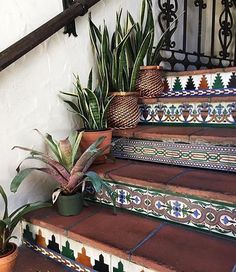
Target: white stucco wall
{"type": "Point", "coordinates": [29, 88]}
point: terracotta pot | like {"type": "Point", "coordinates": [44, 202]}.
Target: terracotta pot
{"type": "Point", "coordinates": [149, 83]}
{"type": "Point", "coordinates": [124, 110]}
{"type": "Point", "coordinates": [7, 261]}
{"type": "Point", "coordinates": [89, 137]}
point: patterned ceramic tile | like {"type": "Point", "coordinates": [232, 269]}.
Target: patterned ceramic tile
{"type": "Point", "coordinates": [184, 154]}
{"type": "Point", "coordinates": [78, 256]}
{"type": "Point", "coordinates": [194, 212]}
{"type": "Point", "coordinates": [214, 217]}
{"type": "Point", "coordinates": [189, 113]}
{"type": "Point", "coordinates": [222, 83]}
{"type": "Point", "coordinates": [128, 197]}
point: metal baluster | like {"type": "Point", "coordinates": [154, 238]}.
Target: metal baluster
{"type": "Point", "coordinates": [225, 32]}
{"type": "Point", "coordinates": [185, 25]}
{"type": "Point", "coordinates": [201, 5]}
{"type": "Point", "coordinates": [213, 28]}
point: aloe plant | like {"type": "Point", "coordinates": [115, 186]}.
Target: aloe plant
{"type": "Point", "coordinates": [9, 222]}
{"type": "Point", "coordinates": [66, 165]}
{"type": "Point", "coordinates": [90, 104]}
{"type": "Point", "coordinates": [112, 55]}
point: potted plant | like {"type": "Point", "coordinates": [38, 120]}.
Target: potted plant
{"type": "Point", "coordinates": [91, 106]}
{"type": "Point", "coordinates": [9, 250]}
{"type": "Point", "coordinates": [69, 168]}
{"type": "Point", "coordinates": [115, 64]}
{"type": "Point", "coordinates": [149, 82]}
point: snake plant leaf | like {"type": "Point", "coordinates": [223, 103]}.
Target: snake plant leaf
{"type": "Point", "coordinates": [94, 108]}
{"type": "Point", "coordinates": [69, 94]}
{"type": "Point", "coordinates": [139, 59]}
{"type": "Point", "coordinates": [149, 26]}
{"type": "Point", "coordinates": [3, 194]}
{"type": "Point", "coordinates": [95, 34]}
{"type": "Point", "coordinates": [90, 80]}
{"type": "Point", "coordinates": [142, 14]}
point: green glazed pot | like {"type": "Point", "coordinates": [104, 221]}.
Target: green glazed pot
{"type": "Point", "coordinates": [68, 205]}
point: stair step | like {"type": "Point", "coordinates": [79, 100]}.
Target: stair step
{"type": "Point", "coordinates": [29, 261]}
{"type": "Point", "coordinates": [214, 136]}
{"type": "Point", "coordinates": [209, 148]}
{"type": "Point", "coordinates": [97, 240]}
{"type": "Point", "coordinates": [194, 98]}
{"type": "Point", "coordinates": [202, 199]}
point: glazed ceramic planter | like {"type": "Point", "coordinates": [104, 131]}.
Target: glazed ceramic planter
{"type": "Point", "coordinates": [123, 111]}
{"type": "Point", "coordinates": [7, 261]}
{"type": "Point", "coordinates": [89, 137]}
{"type": "Point", "coordinates": [69, 205]}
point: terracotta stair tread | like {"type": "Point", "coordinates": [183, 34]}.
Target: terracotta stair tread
{"type": "Point", "coordinates": [202, 183]}
{"type": "Point", "coordinates": [224, 136]}
{"type": "Point", "coordinates": [29, 261]}
{"type": "Point", "coordinates": [188, 99]}
{"type": "Point", "coordinates": [167, 247]}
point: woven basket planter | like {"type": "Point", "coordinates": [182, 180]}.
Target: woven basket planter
{"type": "Point", "coordinates": [149, 83]}
{"type": "Point", "coordinates": [123, 111]}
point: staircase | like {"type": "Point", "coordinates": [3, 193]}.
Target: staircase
{"type": "Point", "coordinates": [175, 183]}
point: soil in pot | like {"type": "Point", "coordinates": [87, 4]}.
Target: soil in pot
{"type": "Point", "coordinates": [89, 137]}
{"type": "Point", "coordinates": [69, 205]}
{"type": "Point", "coordinates": [8, 260]}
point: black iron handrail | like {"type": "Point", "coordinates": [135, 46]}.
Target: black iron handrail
{"type": "Point", "coordinates": [23, 46]}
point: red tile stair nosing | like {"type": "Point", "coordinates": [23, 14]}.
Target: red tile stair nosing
{"type": "Point", "coordinates": [210, 135]}
{"type": "Point", "coordinates": [171, 248]}
{"type": "Point", "coordinates": [206, 184]}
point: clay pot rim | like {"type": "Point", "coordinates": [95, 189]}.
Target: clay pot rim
{"type": "Point", "coordinates": [151, 67]}
{"type": "Point", "coordinates": [13, 250]}
{"type": "Point", "coordinates": [122, 93]}
{"type": "Point", "coordinates": [94, 130]}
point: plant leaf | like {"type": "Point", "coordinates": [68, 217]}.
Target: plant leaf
{"type": "Point", "coordinates": [3, 194]}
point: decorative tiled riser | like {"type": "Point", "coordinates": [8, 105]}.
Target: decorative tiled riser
{"type": "Point", "coordinates": [220, 83]}
{"type": "Point", "coordinates": [189, 113]}
{"type": "Point", "coordinates": [74, 254]}
{"type": "Point", "coordinates": [198, 213]}
{"type": "Point", "coordinates": [184, 154]}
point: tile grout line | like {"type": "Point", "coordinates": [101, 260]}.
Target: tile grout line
{"type": "Point", "coordinates": [172, 180]}
{"type": "Point", "coordinates": [148, 237]}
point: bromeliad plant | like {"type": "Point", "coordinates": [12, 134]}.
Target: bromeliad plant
{"type": "Point", "coordinates": [113, 57]}
{"type": "Point", "coordinates": [90, 104]}
{"type": "Point", "coordinates": [8, 222]}
{"type": "Point", "coordinates": [68, 167]}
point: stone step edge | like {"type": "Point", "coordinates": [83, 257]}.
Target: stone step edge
{"type": "Point", "coordinates": [136, 262]}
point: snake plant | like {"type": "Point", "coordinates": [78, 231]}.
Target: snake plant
{"type": "Point", "coordinates": [90, 104]}
{"type": "Point", "coordinates": [143, 27]}
{"type": "Point", "coordinates": [112, 54]}
{"type": "Point", "coordinates": [66, 165]}
{"type": "Point", "coordinates": [9, 221]}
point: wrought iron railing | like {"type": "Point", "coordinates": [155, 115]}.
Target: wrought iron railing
{"type": "Point", "coordinates": [205, 36]}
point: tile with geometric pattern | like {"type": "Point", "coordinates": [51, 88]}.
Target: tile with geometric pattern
{"type": "Point", "coordinates": [192, 113]}
{"type": "Point", "coordinates": [212, 216]}
{"type": "Point", "coordinates": [185, 154]}
{"type": "Point", "coordinates": [73, 254]}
